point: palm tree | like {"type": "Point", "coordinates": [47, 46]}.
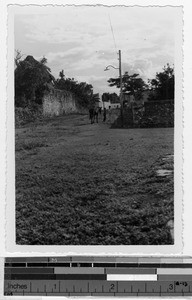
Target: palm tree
{"type": "Point", "coordinates": [31, 79]}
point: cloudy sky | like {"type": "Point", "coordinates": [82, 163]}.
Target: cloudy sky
{"type": "Point", "coordinates": [79, 40]}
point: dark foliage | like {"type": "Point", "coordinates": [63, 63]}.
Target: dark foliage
{"type": "Point", "coordinates": [162, 87]}
{"type": "Point", "coordinates": [132, 84]}
{"type": "Point", "coordinates": [112, 97]}
{"type": "Point", "coordinates": [31, 80]}
{"type": "Point", "coordinates": [82, 90]}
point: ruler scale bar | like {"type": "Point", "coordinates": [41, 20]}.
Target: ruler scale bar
{"type": "Point", "coordinates": [98, 276]}
{"type": "Point", "coordinates": [123, 286]}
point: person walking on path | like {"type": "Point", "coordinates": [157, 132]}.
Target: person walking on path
{"type": "Point", "coordinates": [92, 115]}
{"type": "Point", "coordinates": [96, 114]}
{"type": "Point", "coordinates": [104, 114]}
{"type": "Point", "coordinates": [109, 117]}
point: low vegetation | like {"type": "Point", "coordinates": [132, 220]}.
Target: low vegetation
{"type": "Point", "coordinates": [82, 184]}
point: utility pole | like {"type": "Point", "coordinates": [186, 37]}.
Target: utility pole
{"type": "Point", "coordinates": [120, 76]}
{"type": "Point", "coordinates": [121, 96]}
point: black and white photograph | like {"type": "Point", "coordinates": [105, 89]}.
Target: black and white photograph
{"type": "Point", "coordinates": [95, 124]}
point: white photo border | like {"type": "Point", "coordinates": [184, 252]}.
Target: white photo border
{"type": "Point", "coordinates": [10, 246]}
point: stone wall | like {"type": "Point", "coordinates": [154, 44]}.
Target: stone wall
{"type": "Point", "coordinates": [157, 114]}
{"type": "Point", "coordinates": [59, 102]}
{"type": "Point", "coordinates": [24, 115]}
{"type": "Point", "coordinates": [113, 115]}
{"type": "Point", "coordinates": [127, 119]}
{"type": "Point", "coordinates": [151, 114]}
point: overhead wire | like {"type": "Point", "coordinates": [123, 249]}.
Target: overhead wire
{"type": "Point", "coordinates": [111, 27]}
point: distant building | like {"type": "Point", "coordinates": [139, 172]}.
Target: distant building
{"type": "Point", "coordinates": [110, 100]}
{"type": "Point", "coordinates": [115, 105]}
{"type": "Point", "coordinates": [108, 104]}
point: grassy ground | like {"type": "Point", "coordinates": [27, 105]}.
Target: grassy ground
{"type": "Point", "coordinates": [83, 184]}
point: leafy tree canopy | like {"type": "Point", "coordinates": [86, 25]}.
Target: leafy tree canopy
{"type": "Point", "coordinates": [162, 87]}
{"type": "Point", "coordinates": [112, 97]}
{"type": "Point", "coordinates": [31, 79]}
{"type": "Point", "coordinates": [131, 84]}
{"type": "Point", "coordinates": [82, 90]}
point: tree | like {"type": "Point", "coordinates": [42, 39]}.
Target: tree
{"type": "Point", "coordinates": [61, 75]}
{"type": "Point", "coordinates": [162, 87]}
{"type": "Point", "coordinates": [112, 97]}
{"type": "Point", "coordinates": [82, 90]}
{"type": "Point", "coordinates": [130, 83]}
{"type": "Point", "coordinates": [18, 57]}
{"type": "Point", "coordinates": [31, 79]}
{"type": "Point", "coordinates": [94, 100]}
{"type": "Point", "coordinates": [106, 97]}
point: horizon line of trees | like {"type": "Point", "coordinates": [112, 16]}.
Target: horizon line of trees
{"type": "Point", "coordinates": [110, 97]}
{"type": "Point", "coordinates": [33, 78]}
{"type": "Point", "coordinates": [161, 87]}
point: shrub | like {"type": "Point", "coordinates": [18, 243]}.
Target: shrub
{"type": "Point", "coordinates": [27, 114]}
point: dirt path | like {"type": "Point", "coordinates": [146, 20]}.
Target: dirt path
{"type": "Point", "coordinates": [86, 184]}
